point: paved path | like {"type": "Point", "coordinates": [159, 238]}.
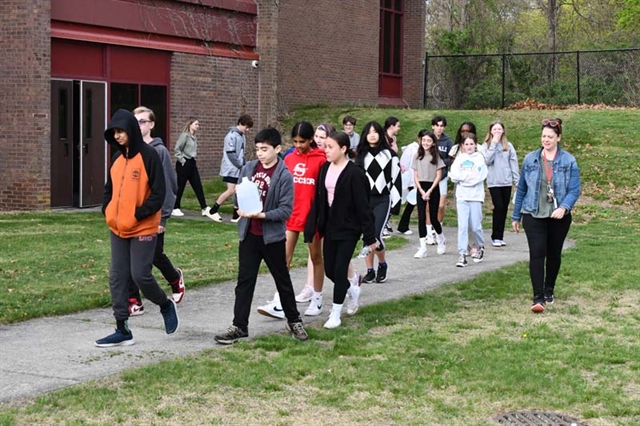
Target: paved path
{"type": "Point", "coordinates": [44, 354]}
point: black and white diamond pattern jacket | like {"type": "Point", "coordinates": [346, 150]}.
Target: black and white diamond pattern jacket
{"type": "Point", "coordinates": [383, 172]}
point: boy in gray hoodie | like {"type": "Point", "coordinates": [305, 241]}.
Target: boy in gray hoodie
{"type": "Point", "coordinates": [232, 162]}
{"type": "Point", "coordinates": [147, 120]}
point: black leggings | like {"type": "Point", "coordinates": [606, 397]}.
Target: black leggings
{"type": "Point", "coordinates": [189, 172]}
{"type": "Point", "coordinates": [337, 256]}
{"type": "Point", "coordinates": [433, 209]}
{"type": "Point", "coordinates": [500, 197]}
{"type": "Point", "coordinates": [545, 238]}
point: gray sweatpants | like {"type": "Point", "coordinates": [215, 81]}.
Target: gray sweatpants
{"type": "Point", "coordinates": [132, 257]}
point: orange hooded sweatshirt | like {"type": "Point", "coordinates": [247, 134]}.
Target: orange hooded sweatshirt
{"type": "Point", "coordinates": [135, 188]}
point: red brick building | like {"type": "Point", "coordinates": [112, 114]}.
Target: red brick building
{"type": "Point", "coordinates": [67, 65]}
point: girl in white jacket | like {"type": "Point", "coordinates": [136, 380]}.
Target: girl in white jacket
{"type": "Point", "coordinates": [469, 171]}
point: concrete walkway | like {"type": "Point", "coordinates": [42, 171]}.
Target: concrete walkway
{"type": "Point", "coordinates": [44, 354]}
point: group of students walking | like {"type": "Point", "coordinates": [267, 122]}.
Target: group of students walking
{"type": "Point", "coordinates": [338, 189]}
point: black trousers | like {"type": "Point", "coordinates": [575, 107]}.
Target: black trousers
{"type": "Point", "coordinates": [433, 209]}
{"type": "Point", "coordinates": [251, 252]}
{"type": "Point", "coordinates": [164, 265]}
{"type": "Point", "coordinates": [500, 197]}
{"type": "Point", "coordinates": [545, 238]}
{"type": "Point", "coordinates": [189, 173]}
{"type": "Point", "coordinates": [403, 225]}
{"type": "Point", "coordinates": [337, 256]}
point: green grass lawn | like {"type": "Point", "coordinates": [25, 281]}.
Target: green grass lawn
{"type": "Point", "coordinates": [457, 355]}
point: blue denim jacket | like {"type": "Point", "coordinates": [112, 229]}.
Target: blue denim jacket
{"type": "Point", "coordinates": [566, 182]}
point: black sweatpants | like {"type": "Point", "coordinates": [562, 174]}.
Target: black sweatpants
{"type": "Point", "coordinates": [545, 238]}
{"type": "Point", "coordinates": [337, 256]}
{"type": "Point", "coordinates": [251, 252]}
{"type": "Point", "coordinates": [189, 172]}
{"type": "Point", "coordinates": [132, 258]}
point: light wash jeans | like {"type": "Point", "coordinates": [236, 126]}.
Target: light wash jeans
{"type": "Point", "coordinates": [469, 221]}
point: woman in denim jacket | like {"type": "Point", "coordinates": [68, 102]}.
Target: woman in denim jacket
{"type": "Point", "coordinates": [548, 188]}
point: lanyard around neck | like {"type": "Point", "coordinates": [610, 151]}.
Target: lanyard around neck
{"type": "Point", "coordinates": [548, 165]}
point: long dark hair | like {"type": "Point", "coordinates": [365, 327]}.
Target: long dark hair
{"type": "Point", "coordinates": [363, 146]}
{"type": "Point", "coordinates": [305, 130]}
{"type": "Point", "coordinates": [434, 146]}
{"type": "Point", "coordinates": [460, 137]}
{"type": "Point", "coordinates": [343, 141]}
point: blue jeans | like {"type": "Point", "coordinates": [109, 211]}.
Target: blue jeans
{"type": "Point", "coordinates": [469, 221]}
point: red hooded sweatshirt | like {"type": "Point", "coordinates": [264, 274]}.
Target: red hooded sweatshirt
{"type": "Point", "coordinates": [305, 169]}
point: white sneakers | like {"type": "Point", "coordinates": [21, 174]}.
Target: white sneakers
{"type": "Point", "coordinates": [273, 308]}
{"type": "Point", "coordinates": [334, 318]}
{"type": "Point", "coordinates": [205, 211]}
{"type": "Point", "coordinates": [305, 295]}
{"type": "Point", "coordinates": [177, 213]}
{"type": "Point", "coordinates": [215, 217]}
{"type": "Point", "coordinates": [354, 295]}
{"type": "Point", "coordinates": [431, 240]}
{"type": "Point", "coordinates": [422, 251]}
{"type": "Point", "coordinates": [315, 307]}
{"type": "Point", "coordinates": [442, 248]}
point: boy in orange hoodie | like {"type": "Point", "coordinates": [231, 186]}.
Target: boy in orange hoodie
{"type": "Point", "coordinates": [133, 197]}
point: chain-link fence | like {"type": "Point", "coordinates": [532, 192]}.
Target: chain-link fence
{"type": "Point", "coordinates": [610, 77]}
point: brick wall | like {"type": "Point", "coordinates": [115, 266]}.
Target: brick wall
{"type": "Point", "coordinates": [414, 49]}
{"type": "Point", "coordinates": [24, 105]}
{"type": "Point", "coordinates": [328, 52]}
{"type": "Point", "coordinates": [216, 91]}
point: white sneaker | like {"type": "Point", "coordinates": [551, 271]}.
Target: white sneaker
{"type": "Point", "coordinates": [442, 248]}
{"type": "Point", "coordinates": [334, 318]}
{"type": "Point", "coordinates": [354, 296]}
{"type": "Point", "coordinates": [305, 295]}
{"type": "Point", "coordinates": [407, 232]}
{"type": "Point", "coordinates": [431, 241]}
{"type": "Point", "coordinates": [422, 252]}
{"type": "Point", "coordinates": [177, 213]}
{"type": "Point", "coordinates": [205, 211]}
{"type": "Point", "coordinates": [315, 308]}
{"type": "Point", "coordinates": [215, 217]}
{"type": "Point", "coordinates": [273, 308]}
{"type": "Point", "coordinates": [385, 233]}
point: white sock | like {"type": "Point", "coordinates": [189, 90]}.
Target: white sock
{"type": "Point", "coordinates": [336, 310]}
{"type": "Point", "coordinates": [317, 297]}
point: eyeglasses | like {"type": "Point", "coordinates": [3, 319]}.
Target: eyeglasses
{"type": "Point", "coordinates": [143, 121]}
{"type": "Point", "coordinates": [551, 123]}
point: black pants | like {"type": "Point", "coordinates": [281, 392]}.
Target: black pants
{"type": "Point", "coordinates": [381, 206]}
{"type": "Point", "coordinates": [500, 197]}
{"type": "Point", "coordinates": [545, 238]}
{"type": "Point", "coordinates": [433, 209]}
{"type": "Point", "coordinates": [337, 256]}
{"type": "Point", "coordinates": [251, 252]}
{"type": "Point", "coordinates": [132, 258]}
{"type": "Point", "coordinates": [160, 261]}
{"type": "Point", "coordinates": [189, 172]}
{"type": "Point", "coordinates": [403, 225]}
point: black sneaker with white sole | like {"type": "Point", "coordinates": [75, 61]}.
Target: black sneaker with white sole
{"type": "Point", "coordinates": [369, 277]}
{"type": "Point", "coordinates": [381, 276]}
{"type": "Point", "coordinates": [232, 335]}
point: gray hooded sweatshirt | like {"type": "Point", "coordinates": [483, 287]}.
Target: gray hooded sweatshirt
{"type": "Point", "coordinates": [233, 153]}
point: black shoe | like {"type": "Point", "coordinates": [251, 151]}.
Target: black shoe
{"type": "Point", "coordinates": [170, 316]}
{"type": "Point", "coordinates": [369, 277]}
{"type": "Point", "coordinates": [232, 335]}
{"type": "Point", "coordinates": [549, 299]}
{"type": "Point", "coordinates": [381, 276]}
{"type": "Point", "coordinates": [479, 255]}
{"type": "Point", "coordinates": [297, 331]}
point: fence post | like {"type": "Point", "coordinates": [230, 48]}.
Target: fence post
{"type": "Point", "coordinates": [504, 68]}
{"type": "Point", "coordinates": [425, 81]}
{"type": "Point", "coordinates": [578, 74]}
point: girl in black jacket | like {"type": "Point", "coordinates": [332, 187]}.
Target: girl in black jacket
{"type": "Point", "coordinates": [341, 214]}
